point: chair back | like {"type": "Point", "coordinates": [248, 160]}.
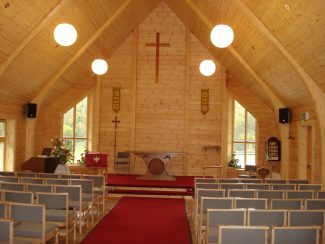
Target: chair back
{"type": "Point", "coordinates": [243, 234]}
{"type": "Point", "coordinates": [12, 186]}
{"type": "Point", "coordinates": [18, 197]}
{"type": "Point", "coordinates": [12, 179]}
{"type": "Point", "coordinates": [27, 174]}
{"type": "Point", "coordinates": [306, 217]}
{"type": "Point", "coordinates": [57, 181]}
{"type": "Point", "coordinates": [256, 203]}
{"type": "Point", "coordinates": [311, 187]}
{"type": "Point", "coordinates": [270, 194]}
{"type": "Point", "coordinates": [283, 187]}
{"type": "Point", "coordinates": [286, 204]}
{"type": "Point", "coordinates": [3, 209]}
{"type": "Point", "coordinates": [39, 188]}
{"type": "Point", "coordinates": [241, 193]}
{"type": "Point", "coordinates": [32, 180]}
{"type": "Point", "coordinates": [294, 235]}
{"type": "Point", "coordinates": [300, 194]}
{"type": "Point", "coordinates": [257, 217]}
{"type": "Point", "coordinates": [314, 204]}
{"type": "Point", "coordinates": [257, 186]}
{"type": "Point", "coordinates": [205, 180]}
{"type": "Point", "coordinates": [7, 231]}
{"type": "Point", "coordinates": [229, 180]}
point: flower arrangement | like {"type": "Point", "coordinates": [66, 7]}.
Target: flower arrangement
{"type": "Point", "coordinates": [82, 159]}
{"type": "Point", "coordinates": [234, 162]}
{"type": "Point", "coordinates": [61, 150]}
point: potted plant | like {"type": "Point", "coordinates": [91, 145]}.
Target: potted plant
{"type": "Point", "coordinates": [61, 150]}
{"type": "Point", "coordinates": [234, 162]}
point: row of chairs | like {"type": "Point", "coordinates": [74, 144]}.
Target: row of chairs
{"type": "Point", "coordinates": [28, 222]}
{"type": "Point", "coordinates": [214, 218]}
{"type": "Point", "coordinates": [91, 184]}
{"type": "Point", "coordinates": [259, 186]}
{"type": "Point", "coordinates": [250, 180]}
{"type": "Point", "coordinates": [40, 175]}
{"type": "Point", "coordinates": [259, 235]}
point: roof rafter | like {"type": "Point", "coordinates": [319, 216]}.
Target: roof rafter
{"type": "Point", "coordinates": [275, 100]}
{"type": "Point", "coordinates": [44, 22]}
{"type": "Point", "coordinates": [40, 96]}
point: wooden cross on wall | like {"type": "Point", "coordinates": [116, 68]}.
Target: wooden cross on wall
{"type": "Point", "coordinates": [157, 45]}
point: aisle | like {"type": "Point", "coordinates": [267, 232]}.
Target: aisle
{"type": "Point", "coordinates": [143, 220]}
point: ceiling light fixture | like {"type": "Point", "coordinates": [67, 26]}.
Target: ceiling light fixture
{"type": "Point", "coordinates": [207, 67]}
{"type": "Point", "coordinates": [222, 35]}
{"type": "Point", "coordinates": [99, 66]}
{"type": "Point", "coordinates": [65, 34]}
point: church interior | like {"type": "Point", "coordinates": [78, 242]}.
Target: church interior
{"type": "Point", "coordinates": [194, 102]}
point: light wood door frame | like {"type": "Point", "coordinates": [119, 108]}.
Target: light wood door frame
{"type": "Point", "coordinates": [303, 150]}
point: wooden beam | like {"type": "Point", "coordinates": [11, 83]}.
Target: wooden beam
{"type": "Point", "coordinates": [49, 84]}
{"type": "Point", "coordinates": [44, 22]}
{"type": "Point", "coordinates": [315, 91]}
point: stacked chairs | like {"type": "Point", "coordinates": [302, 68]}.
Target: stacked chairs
{"type": "Point", "coordinates": [7, 231]}
{"type": "Point", "coordinates": [30, 223]}
{"type": "Point", "coordinates": [57, 212]}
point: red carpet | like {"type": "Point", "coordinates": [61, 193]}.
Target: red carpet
{"type": "Point", "coordinates": [143, 220]}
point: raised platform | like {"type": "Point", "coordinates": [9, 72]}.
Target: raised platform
{"type": "Point", "coordinates": [129, 184]}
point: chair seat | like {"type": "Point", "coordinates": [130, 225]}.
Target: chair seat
{"type": "Point", "coordinates": [34, 230]}
{"type": "Point", "coordinates": [57, 215]}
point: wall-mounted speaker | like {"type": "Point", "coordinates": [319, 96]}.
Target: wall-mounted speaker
{"type": "Point", "coordinates": [31, 110]}
{"type": "Point", "coordinates": [284, 115]}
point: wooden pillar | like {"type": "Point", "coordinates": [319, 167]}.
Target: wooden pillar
{"type": "Point", "coordinates": [302, 152]}
{"type": "Point", "coordinates": [285, 147]}
{"type": "Point", "coordinates": [134, 98]}
{"type": "Point", "coordinates": [186, 100]}
{"type": "Point", "coordinates": [224, 124]}
{"type": "Point", "coordinates": [30, 133]}
{"type": "Point", "coordinates": [96, 113]}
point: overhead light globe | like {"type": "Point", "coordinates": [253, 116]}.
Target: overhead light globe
{"type": "Point", "coordinates": [207, 67]}
{"type": "Point", "coordinates": [222, 36]}
{"type": "Point", "coordinates": [65, 34]}
{"type": "Point", "coordinates": [99, 66]}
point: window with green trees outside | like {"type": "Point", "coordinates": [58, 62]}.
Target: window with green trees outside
{"type": "Point", "coordinates": [75, 128]}
{"type": "Point", "coordinates": [244, 136]}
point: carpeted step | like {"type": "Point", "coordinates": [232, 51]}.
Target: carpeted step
{"type": "Point", "coordinates": [188, 192]}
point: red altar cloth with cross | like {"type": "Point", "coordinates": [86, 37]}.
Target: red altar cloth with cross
{"type": "Point", "coordinates": [96, 160]}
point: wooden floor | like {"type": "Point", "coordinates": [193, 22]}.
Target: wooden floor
{"type": "Point", "coordinates": [111, 202]}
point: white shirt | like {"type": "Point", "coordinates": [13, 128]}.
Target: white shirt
{"type": "Point", "coordinates": [62, 169]}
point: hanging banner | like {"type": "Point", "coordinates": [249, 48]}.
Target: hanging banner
{"type": "Point", "coordinates": [204, 101]}
{"type": "Point", "coordinates": [116, 99]}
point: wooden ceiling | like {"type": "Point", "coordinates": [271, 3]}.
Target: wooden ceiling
{"type": "Point", "coordinates": [34, 68]}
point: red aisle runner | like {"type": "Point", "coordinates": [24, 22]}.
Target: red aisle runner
{"type": "Point", "coordinates": [143, 220]}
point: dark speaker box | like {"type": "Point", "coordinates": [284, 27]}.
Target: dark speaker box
{"type": "Point", "coordinates": [284, 115]}
{"type": "Point", "coordinates": [31, 109]}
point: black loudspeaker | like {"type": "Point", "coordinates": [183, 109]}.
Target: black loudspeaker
{"type": "Point", "coordinates": [31, 109]}
{"type": "Point", "coordinates": [284, 115]}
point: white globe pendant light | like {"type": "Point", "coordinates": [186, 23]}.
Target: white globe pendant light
{"type": "Point", "coordinates": [222, 36]}
{"type": "Point", "coordinates": [99, 66]}
{"type": "Point", "coordinates": [207, 67]}
{"type": "Point", "coordinates": [65, 34]}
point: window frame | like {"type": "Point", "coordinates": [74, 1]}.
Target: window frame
{"type": "Point", "coordinates": [245, 142]}
{"type": "Point", "coordinates": [74, 138]}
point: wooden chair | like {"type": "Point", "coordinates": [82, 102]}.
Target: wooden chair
{"type": "Point", "coordinates": [32, 180]}
{"type": "Point", "coordinates": [229, 186]}
{"type": "Point", "coordinates": [48, 176]}
{"type": "Point", "coordinates": [218, 217]}
{"type": "Point", "coordinates": [299, 194]}
{"type": "Point", "coordinates": [39, 188]}
{"type": "Point", "coordinates": [270, 218]}
{"type": "Point", "coordinates": [27, 174]}
{"type": "Point", "coordinates": [283, 187]}
{"type": "Point", "coordinates": [7, 173]}
{"type": "Point", "coordinates": [30, 222]}
{"type": "Point", "coordinates": [258, 186]}
{"type": "Point", "coordinates": [294, 235]}
{"type": "Point", "coordinates": [71, 176]}
{"type": "Point", "coordinates": [297, 181]}
{"type": "Point", "coordinates": [320, 194]}
{"type": "Point", "coordinates": [270, 194]}
{"type": "Point", "coordinates": [310, 187]}
{"type": "Point", "coordinates": [122, 162]}
{"type": "Point", "coordinates": [3, 210]}
{"type": "Point", "coordinates": [275, 181]}
{"type": "Point", "coordinates": [100, 191]}
{"type": "Point", "coordinates": [243, 234]}
{"type": "Point", "coordinates": [12, 186]}
{"type": "Point", "coordinates": [314, 204]}
{"type": "Point", "coordinates": [57, 212]}
{"type": "Point", "coordinates": [76, 202]}
{"type": "Point", "coordinates": [205, 180]}
{"type": "Point", "coordinates": [251, 181]}
{"type": "Point", "coordinates": [7, 231]}
{"type": "Point", "coordinates": [293, 204]}
{"type": "Point", "coordinates": [18, 196]}
{"type": "Point", "coordinates": [57, 181]}
{"type": "Point", "coordinates": [229, 180]}
{"type": "Point", "coordinates": [11, 179]}
{"type": "Point", "coordinates": [241, 193]}
{"type": "Point", "coordinates": [307, 218]}
{"type": "Point", "coordinates": [211, 203]}
{"type": "Point", "coordinates": [256, 203]}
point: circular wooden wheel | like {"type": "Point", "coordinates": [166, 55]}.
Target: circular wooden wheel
{"type": "Point", "coordinates": [156, 166]}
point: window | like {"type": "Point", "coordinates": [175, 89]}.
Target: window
{"type": "Point", "coordinates": [2, 144]}
{"type": "Point", "coordinates": [75, 128]}
{"type": "Point", "coordinates": [244, 136]}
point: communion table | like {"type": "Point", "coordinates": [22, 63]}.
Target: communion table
{"type": "Point", "coordinates": [156, 164]}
